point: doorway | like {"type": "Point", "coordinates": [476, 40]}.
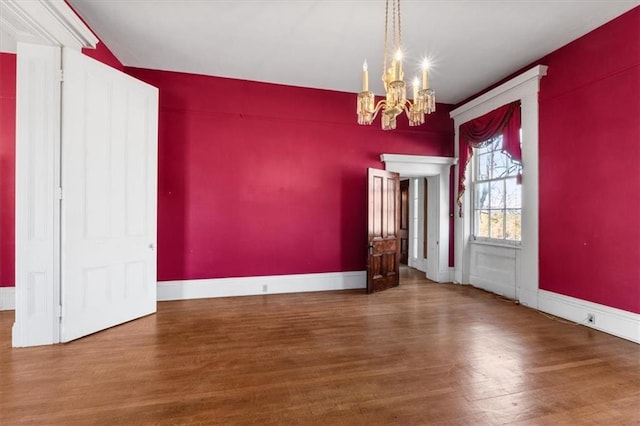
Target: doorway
{"type": "Point", "coordinates": [428, 180]}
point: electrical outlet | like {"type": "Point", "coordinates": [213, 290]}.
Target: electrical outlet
{"type": "Point", "coordinates": [264, 288]}
{"type": "Point", "coordinates": [591, 319]}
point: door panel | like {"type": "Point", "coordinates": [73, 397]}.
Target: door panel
{"type": "Point", "coordinates": [404, 222]}
{"type": "Point", "coordinates": [109, 155]}
{"type": "Point", "coordinates": [383, 261]}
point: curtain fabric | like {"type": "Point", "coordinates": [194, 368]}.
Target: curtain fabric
{"type": "Point", "coordinates": [505, 121]}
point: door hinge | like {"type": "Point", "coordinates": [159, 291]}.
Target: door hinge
{"type": "Point", "coordinates": [59, 193]}
{"type": "Point", "coordinates": [59, 311]}
{"type": "Point", "coordinates": [61, 75]}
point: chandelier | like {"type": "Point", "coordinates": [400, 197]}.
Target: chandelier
{"type": "Point", "coordinates": [395, 101]}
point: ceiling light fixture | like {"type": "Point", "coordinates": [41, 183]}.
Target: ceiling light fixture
{"type": "Point", "coordinates": [424, 99]}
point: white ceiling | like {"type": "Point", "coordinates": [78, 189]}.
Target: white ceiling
{"type": "Point", "coordinates": [322, 43]}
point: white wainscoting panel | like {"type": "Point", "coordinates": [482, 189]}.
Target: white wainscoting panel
{"type": "Point", "coordinates": [494, 268]}
{"type": "Point", "coordinates": [251, 286]}
{"type": "Point", "coordinates": [607, 319]}
{"type": "Point", "coordinates": [7, 298]}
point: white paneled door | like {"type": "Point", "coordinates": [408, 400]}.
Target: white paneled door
{"type": "Point", "coordinates": [109, 186]}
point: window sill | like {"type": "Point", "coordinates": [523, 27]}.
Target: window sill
{"type": "Point", "coordinates": [493, 243]}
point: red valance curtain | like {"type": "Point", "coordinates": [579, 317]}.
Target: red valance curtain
{"type": "Point", "coordinates": [480, 131]}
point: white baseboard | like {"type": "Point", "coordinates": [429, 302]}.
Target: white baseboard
{"type": "Point", "coordinates": [528, 298]}
{"type": "Point", "coordinates": [251, 286]}
{"type": "Point", "coordinates": [7, 298]}
{"type": "Point", "coordinates": [446, 276]}
{"type": "Point", "coordinates": [418, 263]}
{"type": "Point", "coordinates": [607, 319]}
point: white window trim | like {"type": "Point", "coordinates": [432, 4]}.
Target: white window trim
{"type": "Point", "coordinates": [495, 243]}
{"type": "Point", "coordinates": [524, 87]}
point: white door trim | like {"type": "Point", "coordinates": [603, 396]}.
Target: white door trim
{"type": "Point", "coordinates": [48, 22]}
{"type": "Point", "coordinates": [41, 28]}
{"type": "Point", "coordinates": [436, 169]}
{"type": "Point", "coordinates": [37, 204]}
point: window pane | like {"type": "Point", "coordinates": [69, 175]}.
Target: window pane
{"type": "Point", "coordinates": [496, 195]}
{"type": "Point", "coordinates": [484, 166]}
{"type": "Point", "coordinates": [513, 194]}
{"type": "Point", "coordinates": [483, 149]}
{"type": "Point", "coordinates": [497, 224]}
{"type": "Point", "coordinates": [497, 144]}
{"type": "Point", "coordinates": [514, 225]}
{"type": "Point", "coordinates": [482, 196]}
{"type": "Point", "coordinates": [482, 223]}
{"type": "Point", "coordinates": [514, 168]}
{"type": "Point", "coordinates": [500, 165]}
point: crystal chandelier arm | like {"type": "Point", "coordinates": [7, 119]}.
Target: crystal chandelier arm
{"type": "Point", "coordinates": [407, 108]}
{"type": "Point", "coordinates": [381, 103]}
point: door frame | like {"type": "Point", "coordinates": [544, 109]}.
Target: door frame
{"type": "Point", "coordinates": [41, 29]}
{"type": "Point", "coordinates": [405, 209]}
{"type": "Point", "coordinates": [437, 171]}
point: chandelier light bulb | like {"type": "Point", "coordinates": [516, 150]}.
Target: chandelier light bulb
{"type": "Point", "coordinates": [425, 76]}
{"type": "Point", "coordinates": [398, 56]}
{"type": "Point", "coordinates": [365, 77]}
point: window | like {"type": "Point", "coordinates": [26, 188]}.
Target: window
{"type": "Point", "coordinates": [497, 197]}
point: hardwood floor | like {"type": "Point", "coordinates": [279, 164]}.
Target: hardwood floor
{"type": "Point", "coordinates": [421, 353]}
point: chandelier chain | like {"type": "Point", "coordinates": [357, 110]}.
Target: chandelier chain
{"type": "Point", "coordinates": [386, 25]}
{"type": "Point", "coordinates": [395, 31]}
{"type": "Point", "coordinates": [399, 27]}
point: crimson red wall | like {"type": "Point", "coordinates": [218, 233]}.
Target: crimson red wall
{"type": "Point", "coordinates": [262, 179]}
{"type": "Point", "coordinates": [7, 167]}
{"type": "Point", "coordinates": [590, 167]}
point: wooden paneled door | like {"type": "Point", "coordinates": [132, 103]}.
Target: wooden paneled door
{"type": "Point", "coordinates": [404, 222]}
{"type": "Point", "coordinates": [383, 261]}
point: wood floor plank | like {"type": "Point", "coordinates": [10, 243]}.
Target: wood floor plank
{"type": "Point", "coordinates": [421, 353]}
